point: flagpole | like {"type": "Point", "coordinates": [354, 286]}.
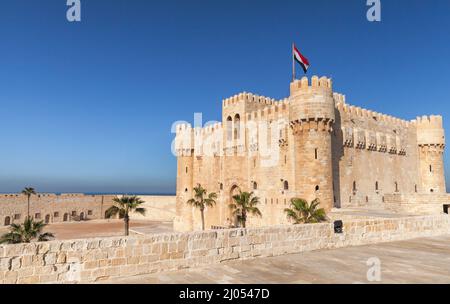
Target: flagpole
{"type": "Point", "coordinates": [293, 63]}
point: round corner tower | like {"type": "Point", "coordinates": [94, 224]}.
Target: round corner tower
{"type": "Point", "coordinates": [431, 142]}
{"type": "Point", "coordinates": [312, 115]}
{"type": "Point", "coordinates": [185, 167]}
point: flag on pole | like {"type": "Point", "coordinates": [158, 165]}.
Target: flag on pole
{"type": "Point", "coordinates": [302, 60]}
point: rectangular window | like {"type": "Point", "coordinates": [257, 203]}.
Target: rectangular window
{"type": "Point", "coordinates": [56, 214]}
{"type": "Point", "coordinates": [74, 213]}
{"type": "Point", "coordinates": [17, 216]}
{"type": "Point", "coordinates": [315, 153]}
{"type": "Point", "coordinates": [89, 212]}
{"type": "Point", "coordinates": [37, 216]}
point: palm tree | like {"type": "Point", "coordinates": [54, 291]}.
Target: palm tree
{"type": "Point", "coordinates": [26, 232]}
{"type": "Point", "coordinates": [202, 200]}
{"type": "Point", "coordinates": [302, 212]}
{"type": "Point", "coordinates": [245, 203]}
{"type": "Point", "coordinates": [123, 206]}
{"type": "Point", "coordinates": [28, 191]}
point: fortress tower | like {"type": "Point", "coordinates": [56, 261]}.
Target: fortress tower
{"type": "Point", "coordinates": [184, 147]}
{"type": "Point", "coordinates": [311, 118]}
{"type": "Point", "coordinates": [312, 144]}
{"type": "Point", "coordinates": [431, 142]}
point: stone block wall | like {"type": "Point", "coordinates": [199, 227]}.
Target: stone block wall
{"type": "Point", "coordinates": [158, 208]}
{"type": "Point", "coordinates": [53, 208]}
{"type": "Point", "coordinates": [92, 260]}
{"type": "Point", "coordinates": [417, 203]}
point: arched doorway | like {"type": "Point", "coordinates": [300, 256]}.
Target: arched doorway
{"type": "Point", "coordinates": [65, 217]}
{"type": "Point", "coordinates": [7, 221]}
{"type": "Point", "coordinates": [82, 216]}
{"type": "Point", "coordinates": [47, 218]}
{"type": "Point", "coordinates": [233, 218]}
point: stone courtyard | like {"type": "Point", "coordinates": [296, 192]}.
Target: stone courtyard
{"type": "Point", "coordinates": [103, 228]}
{"type": "Point", "coordinates": [422, 260]}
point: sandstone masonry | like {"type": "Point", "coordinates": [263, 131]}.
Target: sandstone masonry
{"type": "Point", "coordinates": [312, 144]}
{"type": "Point", "coordinates": [53, 208]}
{"type": "Point", "coordinates": [92, 260]}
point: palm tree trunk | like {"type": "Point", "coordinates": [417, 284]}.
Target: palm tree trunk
{"type": "Point", "coordinates": [203, 219]}
{"type": "Point", "coordinates": [244, 218]}
{"type": "Point", "coordinates": [126, 219]}
{"type": "Point", "coordinates": [28, 207]}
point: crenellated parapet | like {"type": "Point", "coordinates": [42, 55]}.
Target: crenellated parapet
{"type": "Point", "coordinates": [276, 110]}
{"type": "Point", "coordinates": [248, 98]}
{"type": "Point", "coordinates": [302, 86]}
{"type": "Point", "coordinates": [358, 112]}
{"type": "Point", "coordinates": [312, 104]}
{"type": "Point", "coordinates": [184, 140]}
{"type": "Point", "coordinates": [339, 98]}
{"type": "Point", "coordinates": [430, 132]}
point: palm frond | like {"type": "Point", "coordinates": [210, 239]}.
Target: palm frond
{"type": "Point", "coordinates": [140, 211]}
{"type": "Point", "coordinates": [112, 211]}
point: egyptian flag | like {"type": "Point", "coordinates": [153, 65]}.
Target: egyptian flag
{"type": "Point", "coordinates": [300, 59]}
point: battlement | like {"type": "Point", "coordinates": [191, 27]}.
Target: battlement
{"type": "Point", "coordinates": [181, 128]}
{"type": "Point", "coordinates": [430, 131]}
{"type": "Point", "coordinates": [339, 98]}
{"type": "Point", "coordinates": [210, 129]}
{"type": "Point", "coordinates": [432, 121]}
{"type": "Point", "coordinates": [303, 84]}
{"type": "Point", "coordinates": [280, 108]}
{"type": "Point", "coordinates": [355, 112]}
{"type": "Point", "coordinates": [248, 98]}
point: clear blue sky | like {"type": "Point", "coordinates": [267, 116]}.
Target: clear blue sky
{"type": "Point", "coordinates": [87, 107]}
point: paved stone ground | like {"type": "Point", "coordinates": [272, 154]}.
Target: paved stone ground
{"type": "Point", "coordinates": [425, 260]}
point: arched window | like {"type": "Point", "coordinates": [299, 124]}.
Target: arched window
{"type": "Point", "coordinates": [317, 188]}
{"type": "Point", "coordinates": [285, 185]}
{"type": "Point", "coordinates": [7, 221]}
{"type": "Point", "coordinates": [376, 186]}
{"type": "Point", "coordinates": [237, 126]}
{"type": "Point", "coordinates": [186, 170]}
{"type": "Point", "coordinates": [354, 186]}
{"type": "Point", "coordinates": [396, 187]}
{"type": "Point", "coordinates": [229, 128]}
{"type": "Point", "coordinates": [255, 186]}
{"type": "Point", "coordinates": [431, 169]}
{"type": "Point", "coordinates": [221, 186]}
{"type": "Point", "coordinates": [82, 216]}
{"type": "Point", "coordinates": [315, 153]}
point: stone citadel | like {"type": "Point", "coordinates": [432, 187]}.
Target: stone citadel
{"type": "Point", "coordinates": [312, 144]}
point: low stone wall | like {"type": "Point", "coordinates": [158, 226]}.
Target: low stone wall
{"type": "Point", "coordinates": [417, 203]}
{"type": "Point", "coordinates": [98, 259]}
{"type": "Point", "coordinates": [158, 208]}
{"type": "Point", "coordinates": [53, 208]}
